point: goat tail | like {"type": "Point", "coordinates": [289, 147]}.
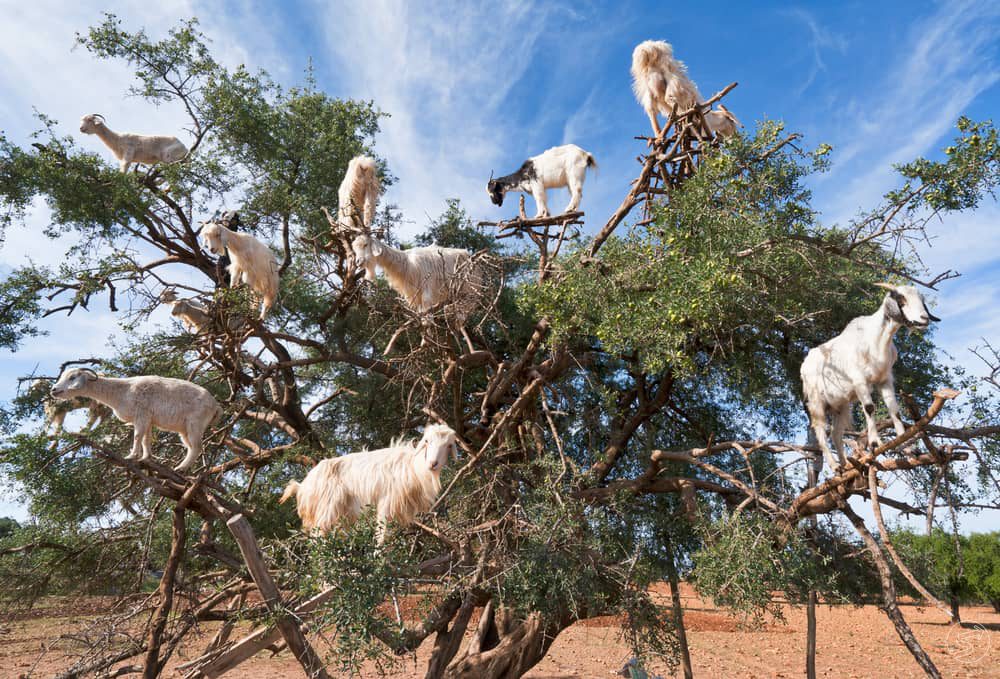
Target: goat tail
{"type": "Point", "coordinates": [591, 162]}
{"type": "Point", "coordinates": [291, 490]}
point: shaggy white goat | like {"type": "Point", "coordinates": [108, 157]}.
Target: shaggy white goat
{"type": "Point", "coordinates": [358, 194]}
{"type": "Point", "coordinates": [146, 402]}
{"type": "Point", "coordinates": [252, 262]}
{"type": "Point", "coordinates": [424, 276]}
{"type": "Point", "coordinates": [559, 166]}
{"type": "Point", "coordinates": [56, 411]}
{"type": "Point", "coordinates": [401, 481]}
{"type": "Point", "coordinates": [842, 371]}
{"type": "Point", "coordinates": [660, 81]}
{"type": "Point", "coordinates": [134, 148]}
{"type": "Point", "coordinates": [194, 315]}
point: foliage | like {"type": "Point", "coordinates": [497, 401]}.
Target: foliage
{"type": "Point", "coordinates": [964, 567]}
{"type": "Point", "coordinates": [745, 559]}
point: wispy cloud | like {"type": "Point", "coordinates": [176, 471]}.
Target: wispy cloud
{"type": "Point", "coordinates": [821, 39]}
{"type": "Point", "coordinates": [444, 72]}
{"type": "Point", "coordinates": [948, 59]}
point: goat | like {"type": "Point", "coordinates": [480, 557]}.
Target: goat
{"type": "Point", "coordinates": [194, 315]}
{"type": "Point", "coordinates": [424, 276]}
{"type": "Point", "coordinates": [661, 82]}
{"type": "Point", "coordinates": [134, 148]}
{"type": "Point", "coordinates": [557, 167]}
{"type": "Point", "coordinates": [146, 402]}
{"type": "Point", "coordinates": [358, 194]}
{"type": "Point", "coordinates": [401, 481]}
{"type": "Point", "coordinates": [56, 411]}
{"type": "Point", "coordinates": [843, 370]}
{"type": "Point", "coordinates": [252, 262]}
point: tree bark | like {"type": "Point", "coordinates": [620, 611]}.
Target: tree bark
{"type": "Point", "coordinates": [889, 605]}
{"type": "Point", "coordinates": [523, 643]}
{"type": "Point", "coordinates": [287, 624]}
{"type": "Point", "coordinates": [678, 610]}
{"type": "Point", "coordinates": [811, 603]}
{"type": "Point", "coordinates": [152, 666]}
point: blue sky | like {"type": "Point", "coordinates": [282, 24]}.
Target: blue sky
{"type": "Point", "coordinates": [478, 87]}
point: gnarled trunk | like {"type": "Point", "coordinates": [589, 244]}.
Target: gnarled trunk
{"type": "Point", "coordinates": [503, 647]}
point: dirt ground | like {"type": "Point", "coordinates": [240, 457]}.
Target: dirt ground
{"type": "Point", "coordinates": [852, 643]}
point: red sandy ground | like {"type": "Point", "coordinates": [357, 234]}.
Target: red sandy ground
{"type": "Point", "coordinates": [852, 643]}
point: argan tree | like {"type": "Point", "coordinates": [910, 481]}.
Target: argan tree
{"type": "Point", "coordinates": [609, 410]}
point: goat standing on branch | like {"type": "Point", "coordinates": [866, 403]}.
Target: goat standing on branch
{"type": "Point", "coordinates": [401, 481]}
{"type": "Point", "coordinates": [252, 262]}
{"type": "Point", "coordinates": [661, 82]}
{"type": "Point", "coordinates": [559, 166]}
{"type": "Point", "coordinates": [146, 402]}
{"type": "Point", "coordinates": [134, 148]}
{"type": "Point", "coordinates": [843, 370]}
{"type": "Point", "coordinates": [426, 276]}
{"type": "Point", "coordinates": [358, 194]}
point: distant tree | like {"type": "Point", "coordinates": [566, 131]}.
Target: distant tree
{"type": "Point", "coordinates": [7, 526]}
{"type": "Point", "coordinates": [982, 567]}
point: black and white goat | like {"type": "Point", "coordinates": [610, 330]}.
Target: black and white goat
{"type": "Point", "coordinates": [559, 166]}
{"type": "Point", "coordinates": [842, 371]}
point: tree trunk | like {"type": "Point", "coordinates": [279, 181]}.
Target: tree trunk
{"type": "Point", "coordinates": [811, 603]}
{"type": "Point", "coordinates": [956, 619]}
{"type": "Point", "coordinates": [889, 605]}
{"type": "Point", "coordinates": [675, 602]}
{"type": "Point", "coordinates": [153, 664]}
{"type": "Point", "coordinates": [522, 643]}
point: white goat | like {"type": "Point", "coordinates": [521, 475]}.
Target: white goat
{"type": "Point", "coordinates": [146, 402]}
{"type": "Point", "coordinates": [424, 276]}
{"type": "Point", "coordinates": [660, 81]}
{"type": "Point", "coordinates": [56, 411]}
{"type": "Point", "coordinates": [559, 166]}
{"type": "Point", "coordinates": [134, 148]}
{"type": "Point", "coordinates": [358, 194]}
{"type": "Point", "coordinates": [252, 262]}
{"type": "Point", "coordinates": [194, 315]}
{"type": "Point", "coordinates": [842, 371]}
{"type": "Point", "coordinates": [401, 481]}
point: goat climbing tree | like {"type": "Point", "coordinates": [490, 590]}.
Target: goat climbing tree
{"type": "Point", "coordinates": [606, 408]}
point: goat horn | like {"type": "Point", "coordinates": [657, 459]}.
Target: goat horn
{"type": "Point", "coordinates": [88, 370]}
{"type": "Point", "coordinates": [491, 175]}
{"type": "Point", "coordinates": [886, 286]}
{"type": "Point", "coordinates": [98, 115]}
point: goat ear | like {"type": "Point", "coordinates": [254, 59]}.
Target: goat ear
{"type": "Point", "coordinates": [893, 309]}
{"type": "Point", "coordinates": [91, 375]}
{"type": "Point", "coordinates": [376, 248]}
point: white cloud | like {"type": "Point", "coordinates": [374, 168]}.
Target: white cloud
{"type": "Point", "coordinates": [820, 40]}
{"type": "Point", "coordinates": [947, 60]}
{"type": "Point", "coordinates": [443, 72]}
